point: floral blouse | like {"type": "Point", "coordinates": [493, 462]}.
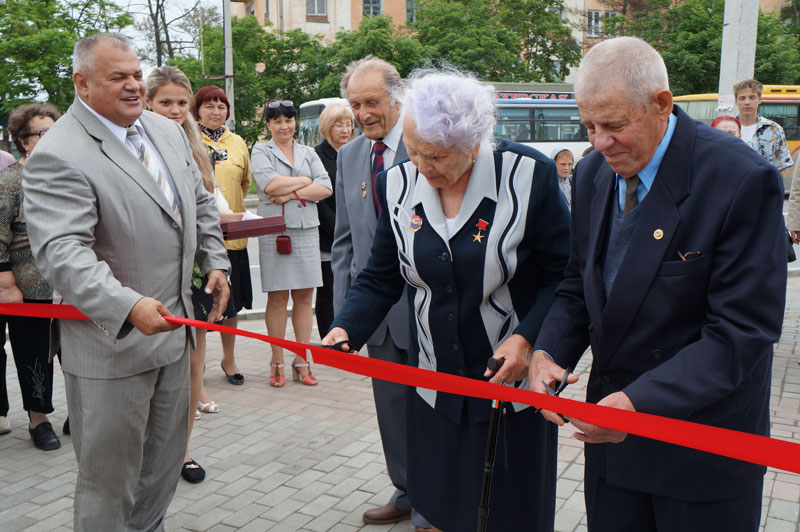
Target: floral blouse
{"type": "Point", "coordinates": [15, 249]}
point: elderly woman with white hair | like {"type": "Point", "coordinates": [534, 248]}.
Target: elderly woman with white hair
{"type": "Point", "coordinates": [476, 229]}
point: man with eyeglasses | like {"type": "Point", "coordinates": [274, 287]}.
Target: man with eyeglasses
{"type": "Point", "coordinates": [372, 86]}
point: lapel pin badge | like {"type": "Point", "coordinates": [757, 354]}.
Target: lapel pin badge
{"type": "Point", "coordinates": [416, 223]}
{"type": "Point", "coordinates": [658, 234]}
{"type": "Point", "coordinates": [481, 225]}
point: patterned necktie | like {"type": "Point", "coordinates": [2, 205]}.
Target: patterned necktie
{"type": "Point", "coordinates": [377, 167]}
{"type": "Point", "coordinates": [152, 168]}
{"type": "Point", "coordinates": [631, 197]}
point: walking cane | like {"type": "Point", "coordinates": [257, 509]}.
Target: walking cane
{"type": "Point", "coordinates": [491, 447]}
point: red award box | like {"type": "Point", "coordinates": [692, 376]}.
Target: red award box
{"type": "Point", "coordinates": [260, 227]}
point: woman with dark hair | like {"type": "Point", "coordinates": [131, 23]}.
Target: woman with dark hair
{"type": "Point", "coordinates": [291, 180]}
{"type": "Point", "coordinates": [232, 174]}
{"type": "Point", "coordinates": [20, 281]}
{"type": "Point", "coordinates": [337, 128]}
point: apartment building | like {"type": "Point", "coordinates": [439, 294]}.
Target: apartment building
{"type": "Point", "coordinates": [323, 17]}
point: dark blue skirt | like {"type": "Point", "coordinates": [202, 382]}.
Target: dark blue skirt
{"type": "Point", "coordinates": [445, 469]}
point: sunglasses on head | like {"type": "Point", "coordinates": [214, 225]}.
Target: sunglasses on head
{"type": "Point", "coordinates": [278, 103]}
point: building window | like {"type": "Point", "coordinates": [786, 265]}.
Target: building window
{"type": "Point", "coordinates": [266, 10]}
{"type": "Point", "coordinates": [251, 9]}
{"type": "Point", "coordinates": [593, 27]}
{"type": "Point", "coordinates": [372, 7]}
{"type": "Point", "coordinates": [411, 11]}
{"type": "Point", "coordinates": [317, 7]}
{"type": "Point", "coordinates": [608, 15]}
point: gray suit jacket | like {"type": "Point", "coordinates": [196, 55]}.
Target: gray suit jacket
{"type": "Point", "coordinates": [355, 231]}
{"type": "Point", "coordinates": [268, 162]}
{"type": "Point", "coordinates": [104, 236]}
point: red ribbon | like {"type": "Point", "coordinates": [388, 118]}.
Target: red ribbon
{"type": "Point", "coordinates": [761, 450]}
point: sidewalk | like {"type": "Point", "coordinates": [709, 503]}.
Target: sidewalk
{"type": "Point", "coordinates": [310, 459]}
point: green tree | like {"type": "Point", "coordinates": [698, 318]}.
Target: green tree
{"type": "Point", "coordinates": [266, 65]}
{"type": "Point", "coordinates": [689, 37]}
{"type": "Point", "coordinates": [36, 46]}
{"type": "Point", "coordinates": [377, 36]}
{"type": "Point", "coordinates": [470, 35]}
{"type": "Point", "coordinates": [548, 49]}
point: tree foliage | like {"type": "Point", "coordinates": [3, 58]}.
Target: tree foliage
{"type": "Point", "coordinates": [36, 46]}
{"type": "Point", "coordinates": [377, 36]}
{"type": "Point", "coordinates": [470, 35]}
{"type": "Point", "coordinates": [689, 37]}
{"type": "Point", "coordinates": [266, 65]}
{"type": "Point", "coordinates": [548, 48]}
{"type": "Point", "coordinates": [171, 29]}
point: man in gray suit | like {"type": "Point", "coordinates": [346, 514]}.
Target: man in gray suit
{"type": "Point", "coordinates": [117, 215]}
{"type": "Point", "coordinates": [373, 86]}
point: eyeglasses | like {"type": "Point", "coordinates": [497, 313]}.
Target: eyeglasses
{"type": "Point", "coordinates": [37, 133]}
{"type": "Point", "coordinates": [342, 125]}
{"type": "Point", "coordinates": [278, 103]}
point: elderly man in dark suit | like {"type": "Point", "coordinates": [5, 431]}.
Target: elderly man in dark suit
{"type": "Point", "coordinates": [677, 279]}
{"type": "Point", "coordinates": [373, 87]}
{"type": "Point", "coordinates": [117, 216]}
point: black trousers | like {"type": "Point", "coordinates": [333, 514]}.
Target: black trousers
{"type": "Point", "coordinates": [30, 343]}
{"type": "Point", "coordinates": [323, 306]}
{"type": "Point", "coordinates": [613, 509]}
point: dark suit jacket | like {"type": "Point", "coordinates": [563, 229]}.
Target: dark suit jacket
{"type": "Point", "coordinates": [327, 207]}
{"type": "Point", "coordinates": [684, 339]}
{"type": "Point", "coordinates": [466, 295]}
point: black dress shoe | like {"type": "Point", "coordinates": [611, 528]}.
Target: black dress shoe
{"type": "Point", "coordinates": [44, 437]}
{"type": "Point", "coordinates": [236, 378]}
{"type": "Point", "coordinates": [65, 430]}
{"type": "Point", "coordinates": [192, 472]}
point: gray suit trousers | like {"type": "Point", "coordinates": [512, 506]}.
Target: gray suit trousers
{"type": "Point", "coordinates": [129, 436]}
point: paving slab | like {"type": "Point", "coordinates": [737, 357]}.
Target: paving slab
{"type": "Point", "coordinates": [309, 459]}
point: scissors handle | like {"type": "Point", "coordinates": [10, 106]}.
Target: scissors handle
{"type": "Point", "coordinates": [338, 346]}
{"type": "Point", "coordinates": [495, 363]}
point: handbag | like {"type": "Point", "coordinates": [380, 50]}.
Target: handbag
{"type": "Point", "coordinates": [283, 242]}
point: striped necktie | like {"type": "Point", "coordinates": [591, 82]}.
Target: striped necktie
{"type": "Point", "coordinates": [149, 162]}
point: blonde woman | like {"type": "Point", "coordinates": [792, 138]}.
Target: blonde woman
{"type": "Point", "coordinates": [337, 128]}
{"type": "Point", "coordinates": [169, 94]}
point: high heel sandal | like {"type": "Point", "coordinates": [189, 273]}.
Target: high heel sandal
{"type": "Point", "coordinates": [309, 379]}
{"type": "Point", "coordinates": [277, 379]}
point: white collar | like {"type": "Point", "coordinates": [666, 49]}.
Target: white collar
{"type": "Point", "coordinates": [392, 139]}
{"type": "Point", "coordinates": [118, 131]}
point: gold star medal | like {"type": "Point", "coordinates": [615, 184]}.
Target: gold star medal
{"type": "Point", "coordinates": [481, 225]}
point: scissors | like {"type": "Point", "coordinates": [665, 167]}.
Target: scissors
{"type": "Point", "coordinates": [559, 388]}
{"type": "Point", "coordinates": [337, 346]}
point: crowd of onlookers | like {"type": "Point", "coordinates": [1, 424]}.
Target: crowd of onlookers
{"type": "Point", "coordinates": [294, 181]}
{"type": "Point", "coordinates": [297, 182]}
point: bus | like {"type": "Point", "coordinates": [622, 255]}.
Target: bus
{"type": "Point", "coordinates": [545, 124]}
{"type": "Point", "coordinates": [780, 103]}
{"type": "Point", "coordinates": [308, 120]}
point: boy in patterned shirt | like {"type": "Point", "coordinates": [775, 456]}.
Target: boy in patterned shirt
{"type": "Point", "coordinates": [761, 134]}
